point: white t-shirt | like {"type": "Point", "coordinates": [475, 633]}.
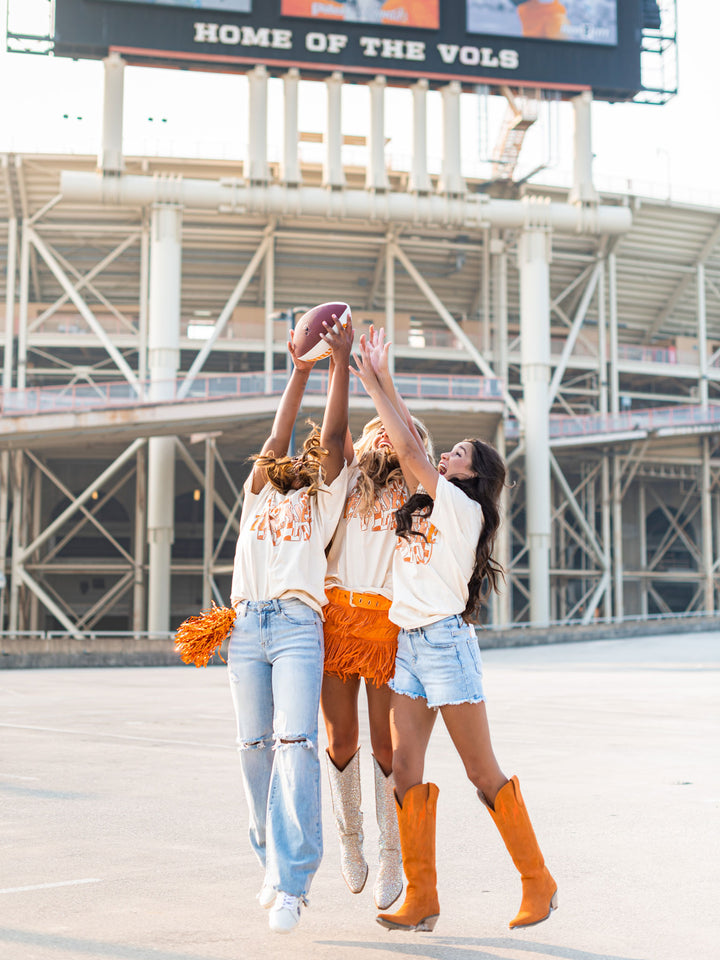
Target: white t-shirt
{"type": "Point", "coordinates": [362, 550]}
{"type": "Point", "coordinates": [430, 577]}
{"type": "Point", "coordinates": [280, 551]}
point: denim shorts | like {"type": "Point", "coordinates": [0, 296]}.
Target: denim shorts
{"type": "Point", "coordinates": [440, 662]}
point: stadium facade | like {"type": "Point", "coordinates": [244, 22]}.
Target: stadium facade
{"type": "Point", "coordinates": [149, 302]}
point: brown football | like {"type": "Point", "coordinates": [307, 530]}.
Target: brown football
{"type": "Point", "coordinates": [308, 344]}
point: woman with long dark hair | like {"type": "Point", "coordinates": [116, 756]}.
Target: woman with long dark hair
{"type": "Point", "coordinates": [443, 569]}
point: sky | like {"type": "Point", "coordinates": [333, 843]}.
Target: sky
{"type": "Point", "coordinates": [55, 105]}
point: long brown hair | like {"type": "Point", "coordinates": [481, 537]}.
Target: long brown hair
{"type": "Point", "coordinates": [288, 473]}
{"type": "Point", "coordinates": [485, 488]}
{"type": "Point", "coordinates": [380, 466]}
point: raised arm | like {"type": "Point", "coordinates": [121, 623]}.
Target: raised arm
{"type": "Point", "coordinates": [378, 350]}
{"type": "Point", "coordinates": [333, 434]}
{"type": "Point", "coordinates": [279, 440]}
{"type": "Point", "coordinates": [348, 448]}
{"type": "Point", "coordinates": [412, 456]}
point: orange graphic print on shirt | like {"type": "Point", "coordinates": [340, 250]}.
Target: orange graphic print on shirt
{"type": "Point", "coordinates": [286, 520]}
{"type": "Point", "coordinates": [419, 549]}
{"type": "Point", "coordinates": [382, 516]}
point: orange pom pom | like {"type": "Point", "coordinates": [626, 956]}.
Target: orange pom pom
{"type": "Point", "coordinates": [199, 638]}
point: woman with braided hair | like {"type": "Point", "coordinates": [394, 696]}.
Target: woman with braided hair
{"type": "Point", "coordinates": [442, 570]}
{"type": "Point", "coordinates": [275, 661]}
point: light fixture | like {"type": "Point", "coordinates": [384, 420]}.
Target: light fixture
{"type": "Point", "coordinates": [196, 495]}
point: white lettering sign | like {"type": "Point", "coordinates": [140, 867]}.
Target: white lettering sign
{"type": "Point", "coordinates": [386, 48]}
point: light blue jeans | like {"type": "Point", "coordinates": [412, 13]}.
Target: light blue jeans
{"type": "Point", "coordinates": [275, 664]}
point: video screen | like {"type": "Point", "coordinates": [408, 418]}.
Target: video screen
{"type": "Point", "coordinates": [392, 13]}
{"type": "Point", "coordinates": [231, 6]}
{"type": "Point", "coordinates": [577, 21]}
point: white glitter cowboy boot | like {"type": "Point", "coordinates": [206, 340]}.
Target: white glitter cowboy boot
{"type": "Point", "coordinates": [389, 882]}
{"type": "Point", "coordinates": [345, 792]}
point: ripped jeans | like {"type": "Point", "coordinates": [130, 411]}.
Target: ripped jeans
{"type": "Point", "coordinates": [275, 665]}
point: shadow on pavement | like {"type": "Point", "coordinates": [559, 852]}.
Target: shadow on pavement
{"type": "Point", "coordinates": [464, 948]}
{"type": "Point", "coordinates": [92, 948]}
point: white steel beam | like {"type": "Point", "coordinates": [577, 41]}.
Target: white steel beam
{"type": "Point", "coordinates": [475, 211]}
{"type": "Point", "coordinates": [390, 297]}
{"type": "Point", "coordinates": [450, 322]}
{"type": "Point", "coordinates": [10, 271]}
{"type": "Point", "coordinates": [164, 361]}
{"type": "Point", "coordinates": [290, 166]}
{"type": "Point", "coordinates": [333, 174]}
{"type": "Point", "coordinates": [577, 512]}
{"type": "Point", "coordinates": [111, 154]}
{"type": "Point", "coordinates": [376, 177]}
{"type": "Point", "coordinates": [226, 312]}
{"type": "Point", "coordinates": [420, 181]}
{"type": "Point", "coordinates": [451, 179]}
{"type": "Point", "coordinates": [139, 538]}
{"type": "Point", "coordinates": [269, 323]}
{"type": "Point", "coordinates": [707, 532]}
{"type": "Point", "coordinates": [57, 523]}
{"type": "Point", "coordinates": [208, 522]}
{"type": "Point", "coordinates": [86, 280]}
{"type": "Point", "coordinates": [82, 308]}
{"type": "Point", "coordinates": [534, 265]}
{"type": "Point", "coordinates": [583, 190]}
{"type": "Point", "coordinates": [702, 337]}
{"type": "Point", "coordinates": [257, 169]}
{"type": "Point", "coordinates": [572, 336]}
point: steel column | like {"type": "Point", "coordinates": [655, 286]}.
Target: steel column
{"type": "Point", "coordinates": [707, 531]}
{"type": "Point", "coordinates": [390, 297]}
{"type": "Point", "coordinates": [419, 177]}
{"type": "Point", "coordinates": [534, 265]}
{"type": "Point", "coordinates": [208, 522]}
{"type": "Point", "coordinates": [138, 614]}
{"type": "Point", "coordinates": [451, 180]}
{"type": "Point", "coordinates": [376, 177]}
{"type": "Point", "coordinates": [333, 175]}
{"type": "Point", "coordinates": [164, 361]}
{"type": "Point", "coordinates": [111, 155]}
{"type": "Point", "coordinates": [702, 337]}
{"type": "Point", "coordinates": [269, 358]}
{"type": "Point", "coordinates": [583, 190]}
{"type": "Point", "coordinates": [642, 523]}
{"type": "Point", "coordinates": [290, 166]}
{"type": "Point", "coordinates": [11, 270]}
{"type": "Point", "coordinates": [502, 606]}
{"type": "Point", "coordinates": [257, 169]}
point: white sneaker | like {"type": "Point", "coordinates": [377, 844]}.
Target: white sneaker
{"type": "Point", "coordinates": [266, 897]}
{"type": "Point", "coordinates": [285, 913]}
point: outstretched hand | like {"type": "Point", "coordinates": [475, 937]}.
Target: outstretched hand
{"type": "Point", "coordinates": [364, 368]}
{"type": "Point", "coordinates": [340, 340]}
{"type": "Point", "coordinates": [378, 349]}
{"type": "Point", "coordinates": [302, 366]}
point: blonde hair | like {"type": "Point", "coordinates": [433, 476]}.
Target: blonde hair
{"type": "Point", "coordinates": [380, 466]}
{"type": "Point", "coordinates": [288, 473]}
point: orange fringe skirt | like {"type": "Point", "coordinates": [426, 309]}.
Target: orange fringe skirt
{"type": "Point", "coordinates": [359, 641]}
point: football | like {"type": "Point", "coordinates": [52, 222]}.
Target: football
{"type": "Point", "coordinates": [308, 344]}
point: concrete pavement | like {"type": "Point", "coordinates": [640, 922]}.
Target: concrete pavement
{"type": "Point", "coordinates": [124, 826]}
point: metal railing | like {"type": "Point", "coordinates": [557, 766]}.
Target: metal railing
{"type": "Point", "coordinates": [81, 397]}
{"type": "Point", "coordinates": [652, 418]}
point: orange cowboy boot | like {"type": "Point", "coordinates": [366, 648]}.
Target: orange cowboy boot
{"type": "Point", "coordinates": [539, 896]}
